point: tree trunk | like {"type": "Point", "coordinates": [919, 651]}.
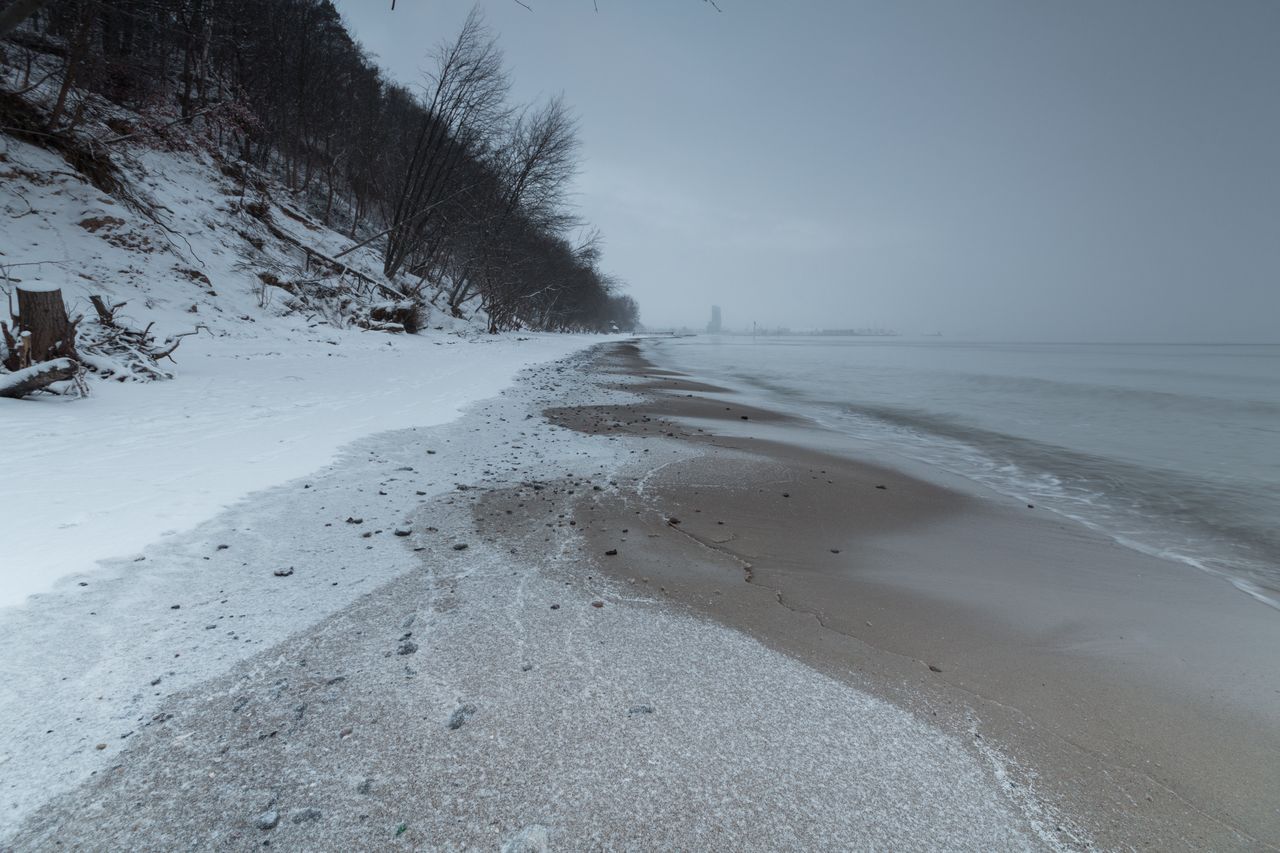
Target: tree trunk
{"type": "Point", "coordinates": [37, 376]}
{"type": "Point", "coordinates": [75, 57]}
{"type": "Point", "coordinates": [42, 313]}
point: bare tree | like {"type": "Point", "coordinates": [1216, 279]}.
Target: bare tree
{"type": "Point", "coordinates": [468, 91]}
{"type": "Point", "coordinates": [471, 197]}
{"type": "Point", "coordinates": [533, 169]}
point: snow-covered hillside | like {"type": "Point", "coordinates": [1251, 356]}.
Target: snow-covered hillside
{"type": "Point", "coordinates": [268, 390]}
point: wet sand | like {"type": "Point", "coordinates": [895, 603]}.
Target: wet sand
{"type": "Point", "coordinates": [1130, 701]}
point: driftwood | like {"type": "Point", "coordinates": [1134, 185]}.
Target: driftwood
{"type": "Point", "coordinates": [37, 376]}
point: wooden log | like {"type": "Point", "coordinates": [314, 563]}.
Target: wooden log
{"type": "Point", "coordinates": [36, 376]}
{"type": "Point", "coordinates": [42, 313]}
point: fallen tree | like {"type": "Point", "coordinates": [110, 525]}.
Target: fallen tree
{"type": "Point", "coordinates": [37, 377]}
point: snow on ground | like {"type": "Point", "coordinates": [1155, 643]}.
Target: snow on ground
{"type": "Point", "coordinates": [104, 476]}
{"type": "Point", "coordinates": [94, 660]}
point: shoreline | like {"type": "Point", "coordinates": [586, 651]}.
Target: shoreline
{"type": "Point", "coordinates": [1133, 691]}
{"type": "Point", "coordinates": [454, 670]}
{"type": "Point", "coordinates": [399, 691]}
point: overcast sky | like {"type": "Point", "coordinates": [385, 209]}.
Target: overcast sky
{"type": "Point", "coordinates": [1009, 170]}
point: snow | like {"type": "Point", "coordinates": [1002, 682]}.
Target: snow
{"type": "Point", "coordinates": [264, 397]}
{"type": "Point", "coordinates": [104, 476]}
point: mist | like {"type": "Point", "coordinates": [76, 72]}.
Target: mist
{"type": "Point", "coordinates": [1087, 171]}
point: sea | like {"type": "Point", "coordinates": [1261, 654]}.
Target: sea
{"type": "Point", "coordinates": [1170, 449]}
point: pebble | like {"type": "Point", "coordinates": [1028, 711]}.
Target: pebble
{"type": "Point", "coordinates": [597, 604]}
{"type": "Point", "coordinates": [407, 647]}
{"type": "Point", "coordinates": [268, 820]}
{"type": "Point", "coordinates": [639, 709]}
{"type": "Point", "coordinates": [459, 716]}
{"type": "Point", "coordinates": [461, 546]}
{"type": "Point", "coordinates": [612, 552]}
{"type": "Point", "coordinates": [283, 573]}
{"type": "Point", "coordinates": [306, 816]}
{"type": "Point", "coordinates": [401, 532]}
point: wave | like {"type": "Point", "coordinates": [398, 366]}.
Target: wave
{"type": "Point", "coordinates": [1220, 525]}
{"type": "Point", "coordinates": [1168, 449]}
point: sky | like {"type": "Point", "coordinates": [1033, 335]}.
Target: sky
{"type": "Point", "coordinates": [1072, 171]}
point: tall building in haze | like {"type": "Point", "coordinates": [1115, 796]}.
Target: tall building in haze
{"type": "Point", "coordinates": [713, 328]}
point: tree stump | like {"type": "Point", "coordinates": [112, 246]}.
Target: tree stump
{"type": "Point", "coordinates": [42, 313]}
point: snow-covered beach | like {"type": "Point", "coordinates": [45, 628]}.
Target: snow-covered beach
{"type": "Point", "coordinates": [104, 477]}
{"type": "Point", "coordinates": [367, 656]}
{"type": "Point", "coordinates": [495, 631]}
{"type": "Point", "coordinates": [347, 503]}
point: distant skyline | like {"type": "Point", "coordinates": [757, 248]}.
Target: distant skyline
{"type": "Point", "coordinates": [1072, 171]}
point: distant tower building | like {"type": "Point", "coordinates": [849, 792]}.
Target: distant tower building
{"type": "Point", "coordinates": [713, 328]}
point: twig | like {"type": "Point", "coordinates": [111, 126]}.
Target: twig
{"type": "Point", "coordinates": [174, 340]}
{"type": "Point", "coordinates": [167, 124]}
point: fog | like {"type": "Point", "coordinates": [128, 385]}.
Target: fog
{"type": "Point", "coordinates": [1072, 171]}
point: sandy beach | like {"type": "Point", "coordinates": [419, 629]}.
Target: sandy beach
{"type": "Point", "coordinates": [1140, 694]}
{"type": "Point", "coordinates": [614, 609]}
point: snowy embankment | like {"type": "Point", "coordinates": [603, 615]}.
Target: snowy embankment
{"type": "Point", "coordinates": [267, 391]}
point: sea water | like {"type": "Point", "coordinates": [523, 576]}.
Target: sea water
{"type": "Point", "coordinates": [1171, 449]}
